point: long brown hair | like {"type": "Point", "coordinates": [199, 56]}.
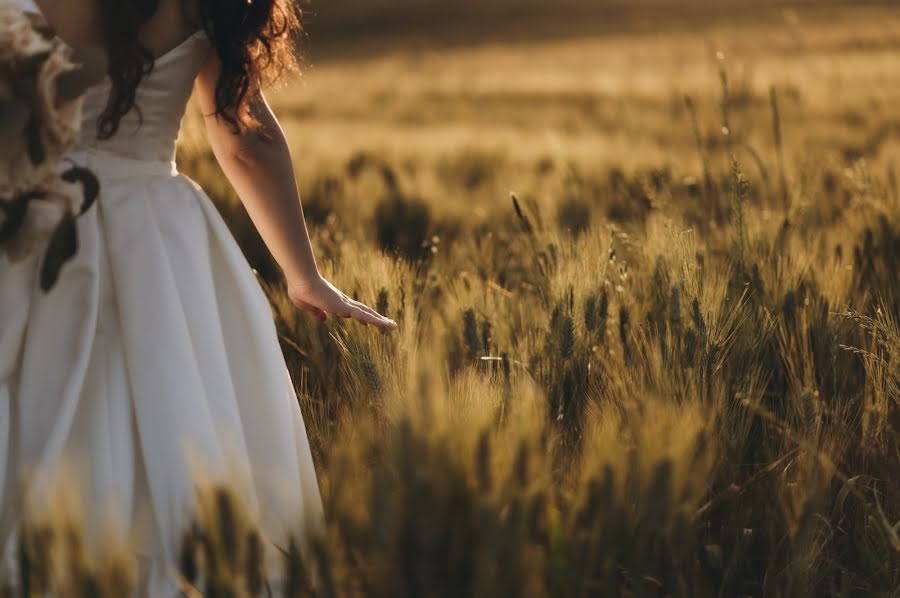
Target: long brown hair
{"type": "Point", "coordinates": [256, 41]}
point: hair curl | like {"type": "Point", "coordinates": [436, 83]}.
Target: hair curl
{"type": "Point", "coordinates": [256, 41]}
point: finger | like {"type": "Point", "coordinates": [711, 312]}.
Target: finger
{"type": "Point", "coordinates": [355, 314]}
{"type": "Point", "coordinates": [350, 310]}
{"type": "Point", "coordinates": [384, 324]}
{"type": "Point", "coordinates": [365, 317]}
{"type": "Point", "coordinates": [362, 317]}
{"type": "Point", "coordinates": [370, 311]}
{"type": "Point", "coordinates": [383, 319]}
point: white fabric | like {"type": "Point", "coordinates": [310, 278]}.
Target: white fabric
{"type": "Point", "coordinates": [155, 352]}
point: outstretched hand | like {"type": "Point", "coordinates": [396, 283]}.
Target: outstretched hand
{"type": "Point", "coordinates": [320, 299]}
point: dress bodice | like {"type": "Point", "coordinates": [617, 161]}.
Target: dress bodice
{"type": "Point", "coordinates": [149, 131]}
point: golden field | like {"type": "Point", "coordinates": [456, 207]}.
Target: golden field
{"type": "Point", "coordinates": [645, 264]}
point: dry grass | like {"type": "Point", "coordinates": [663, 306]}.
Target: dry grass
{"type": "Point", "coordinates": [670, 367]}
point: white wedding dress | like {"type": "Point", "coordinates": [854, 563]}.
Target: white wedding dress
{"type": "Point", "coordinates": [154, 357]}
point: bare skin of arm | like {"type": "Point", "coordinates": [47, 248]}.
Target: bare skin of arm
{"type": "Point", "coordinates": [258, 164]}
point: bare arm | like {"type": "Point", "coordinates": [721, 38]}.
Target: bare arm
{"type": "Point", "coordinates": [258, 165]}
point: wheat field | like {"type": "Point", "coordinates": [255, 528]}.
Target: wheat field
{"type": "Point", "coordinates": [646, 277]}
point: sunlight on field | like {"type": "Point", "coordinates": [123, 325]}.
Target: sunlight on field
{"type": "Point", "coordinates": [666, 366]}
{"type": "Point", "coordinates": [582, 97]}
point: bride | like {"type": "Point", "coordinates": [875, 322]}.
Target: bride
{"type": "Point", "coordinates": [155, 355]}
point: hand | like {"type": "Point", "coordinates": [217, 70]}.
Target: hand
{"type": "Point", "coordinates": [320, 299]}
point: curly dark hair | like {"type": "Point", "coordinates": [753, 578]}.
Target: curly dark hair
{"type": "Point", "coordinates": [256, 40]}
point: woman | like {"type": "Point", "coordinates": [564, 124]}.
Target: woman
{"type": "Point", "coordinates": [155, 355]}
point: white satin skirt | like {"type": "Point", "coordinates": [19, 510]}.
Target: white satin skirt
{"type": "Point", "coordinates": [153, 360]}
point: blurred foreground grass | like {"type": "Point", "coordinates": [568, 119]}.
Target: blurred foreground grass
{"type": "Point", "coordinates": [669, 365]}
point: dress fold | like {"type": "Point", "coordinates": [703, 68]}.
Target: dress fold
{"type": "Point", "coordinates": [152, 365]}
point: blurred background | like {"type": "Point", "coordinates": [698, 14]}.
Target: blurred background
{"type": "Point", "coordinates": [584, 80]}
{"type": "Point", "coordinates": [482, 93]}
{"type": "Point", "coordinates": [360, 16]}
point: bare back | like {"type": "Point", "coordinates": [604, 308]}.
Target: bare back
{"type": "Point", "coordinates": [78, 23]}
